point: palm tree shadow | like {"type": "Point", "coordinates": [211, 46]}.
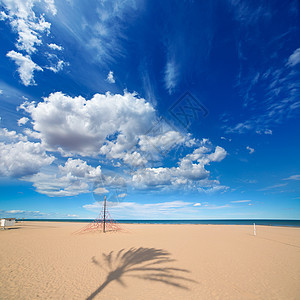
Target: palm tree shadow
{"type": "Point", "coordinates": [142, 263]}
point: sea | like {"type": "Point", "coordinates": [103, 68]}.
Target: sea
{"type": "Point", "coordinates": [265, 222]}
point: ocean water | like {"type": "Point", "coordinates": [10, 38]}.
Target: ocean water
{"type": "Point", "coordinates": [267, 222]}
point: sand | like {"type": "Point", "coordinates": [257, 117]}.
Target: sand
{"type": "Point", "coordinates": [44, 260]}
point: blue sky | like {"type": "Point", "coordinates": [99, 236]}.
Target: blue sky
{"type": "Point", "coordinates": [173, 109]}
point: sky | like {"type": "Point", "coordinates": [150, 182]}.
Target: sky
{"type": "Point", "coordinates": [170, 109]}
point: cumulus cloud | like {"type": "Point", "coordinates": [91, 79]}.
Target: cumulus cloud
{"type": "Point", "coordinates": [190, 173]}
{"type": "Point", "coordinates": [294, 59]}
{"type": "Point", "coordinates": [100, 191]}
{"type": "Point", "coordinates": [162, 142]}
{"type": "Point", "coordinates": [79, 168]}
{"type": "Point", "coordinates": [22, 121]}
{"type": "Point", "coordinates": [20, 157]}
{"type": "Point", "coordinates": [107, 124]}
{"type": "Point", "coordinates": [251, 150]}
{"type": "Point", "coordinates": [55, 47]}
{"type": "Point", "coordinates": [110, 77]}
{"type": "Point", "coordinates": [26, 67]}
{"type": "Point", "coordinates": [72, 178]}
{"type": "Point", "coordinates": [116, 127]}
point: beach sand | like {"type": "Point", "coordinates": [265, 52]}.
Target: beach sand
{"type": "Point", "coordinates": [44, 260]}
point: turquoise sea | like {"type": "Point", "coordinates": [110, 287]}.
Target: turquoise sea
{"type": "Point", "coordinates": [267, 222]}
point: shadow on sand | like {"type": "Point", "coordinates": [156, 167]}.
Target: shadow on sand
{"type": "Point", "coordinates": [143, 263]}
{"type": "Point", "coordinates": [10, 228]}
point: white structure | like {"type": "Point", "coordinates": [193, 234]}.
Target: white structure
{"type": "Point", "coordinates": [254, 229]}
{"type": "Point", "coordinates": [7, 222]}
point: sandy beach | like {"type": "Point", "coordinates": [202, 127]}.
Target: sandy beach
{"type": "Point", "coordinates": [45, 260]}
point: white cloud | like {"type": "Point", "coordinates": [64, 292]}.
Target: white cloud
{"type": "Point", "coordinates": [26, 67]}
{"type": "Point", "coordinates": [294, 59]}
{"type": "Point", "coordinates": [197, 204]}
{"type": "Point", "coordinates": [55, 64]}
{"type": "Point", "coordinates": [100, 191]}
{"type": "Point", "coordinates": [251, 150]}
{"type": "Point", "coordinates": [22, 121]}
{"type": "Point", "coordinates": [80, 168]}
{"type": "Point", "coordinates": [293, 177]}
{"type": "Point", "coordinates": [240, 127]}
{"type": "Point", "coordinates": [267, 131]}
{"type": "Point", "coordinates": [148, 209]}
{"type": "Point", "coordinates": [72, 216]}
{"type": "Point", "coordinates": [31, 27]}
{"type": "Point", "coordinates": [273, 187]}
{"type": "Point", "coordinates": [171, 76]}
{"type": "Point", "coordinates": [17, 213]}
{"type": "Point", "coordinates": [26, 23]}
{"type": "Point", "coordinates": [58, 66]}
{"type": "Point", "coordinates": [190, 173]}
{"type": "Point", "coordinates": [169, 210]}
{"type": "Point", "coordinates": [54, 185]}
{"type": "Point", "coordinates": [106, 124]}
{"type": "Point", "coordinates": [122, 195]}
{"type": "Point", "coordinates": [8, 136]}
{"type": "Point", "coordinates": [110, 77]}
{"type": "Point", "coordinates": [20, 157]}
{"type": "Point", "coordinates": [240, 201]}
{"type": "Point", "coordinates": [215, 206]}
{"type": "Point", "coordinates": [14, 211]}
{"type": "Point", "coordinates": [55, 47]}
{"type": "Point", "coordinates": [226, 139]}
{"type": "Point", "coordinates": [73, 178]}
{"type": "Point", "coordinates": [161, 142]}
{"type": "Point", "coordinates": [134, 159]}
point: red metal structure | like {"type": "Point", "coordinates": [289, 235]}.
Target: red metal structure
{"type": "Point", "coordinates": [103, 223]}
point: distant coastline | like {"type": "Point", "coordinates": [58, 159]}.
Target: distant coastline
{"type": "Point", "coordinates": [265, 222]}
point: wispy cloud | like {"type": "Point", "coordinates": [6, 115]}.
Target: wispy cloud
{"type": "Point", "coordinates": [31, 28]}
{"type": "Point", "coordinates": [292, 177]}
{"type": "Point", "coordinates": [171, 76]}
{"type": "Point", "coordinates": [294, 59]}
{"type": "Point", "coordinates": [240, 201]}
{"type": "Point", "coordinates": [271, 187]}
{"type": "Point", "coordinates": [178, 209]}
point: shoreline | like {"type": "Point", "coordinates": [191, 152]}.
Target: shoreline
{"type": "Point", "coordinates": [237, 222]}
